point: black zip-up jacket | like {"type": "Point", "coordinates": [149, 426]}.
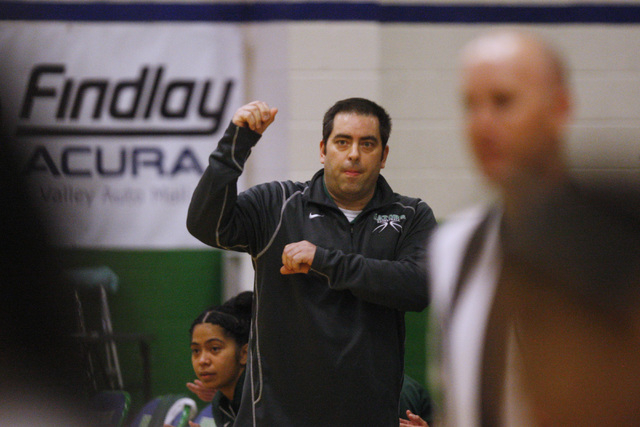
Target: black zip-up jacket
{"type": "Point", "coordinates": [223, 411]}
{"type": "Point", "coordinates": [327, 347]}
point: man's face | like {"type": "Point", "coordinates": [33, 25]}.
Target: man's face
{"type": "Point", "coordinates": [513, 116]}
{"type": "Point", "coordinates": [352, 159]}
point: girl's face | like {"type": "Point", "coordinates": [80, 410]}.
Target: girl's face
{"type": "Point", "coordinates": [217, 360]}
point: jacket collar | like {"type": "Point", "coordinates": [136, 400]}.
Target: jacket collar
{"type": "Point", "coordinates": [224, 403]}
{"type": "Point", "coordinates": [317, 193]}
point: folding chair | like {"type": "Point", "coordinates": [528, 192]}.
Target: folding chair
{"type": "Point", "coordinates": [91, 287]}
{"type": "Point", "coordinates": [172, 409]}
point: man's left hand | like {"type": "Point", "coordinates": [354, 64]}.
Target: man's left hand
{"type": "Point", "coordinates": [297, 257]}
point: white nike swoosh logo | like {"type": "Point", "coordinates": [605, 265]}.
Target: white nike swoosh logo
{"type": "Point", "coordinates": [312, 215]}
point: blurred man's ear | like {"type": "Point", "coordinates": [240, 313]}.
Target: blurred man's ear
{"type": "Point", "coordinates": [563, 107]}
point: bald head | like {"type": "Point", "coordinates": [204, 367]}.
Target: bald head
{"type": "Point", "coordinates": [524, 48]}
{"type": "Point", "coordinates": [516, 108]}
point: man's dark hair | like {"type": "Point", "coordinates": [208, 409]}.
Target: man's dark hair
{"type": "Point", "coordinates": [362, 107]}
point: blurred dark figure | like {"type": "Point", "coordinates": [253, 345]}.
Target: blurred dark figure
{"type": "Point", "coordinates": [572, 289]}
{"type": "Point", "coordinates": [41, 366]}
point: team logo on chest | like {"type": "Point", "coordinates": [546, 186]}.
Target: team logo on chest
{"type": "Point", "coordinates": [394, 221]}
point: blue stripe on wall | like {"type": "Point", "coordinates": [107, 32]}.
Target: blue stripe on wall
{"type": "Point", "coordinates": [320, 11]}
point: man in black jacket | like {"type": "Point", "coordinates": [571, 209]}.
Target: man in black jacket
{"type": "Point", "coordinates": [338, 261]}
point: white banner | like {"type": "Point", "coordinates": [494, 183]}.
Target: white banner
{"type": "Point", "coordinates": [115, 122]}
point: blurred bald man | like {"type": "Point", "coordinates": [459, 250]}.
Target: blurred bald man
{"type": "Point", "coordinates": [518, 288]}
{"type": "Point", "coordinates": [517, 106]}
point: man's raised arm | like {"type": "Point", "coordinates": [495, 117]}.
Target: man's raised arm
{"type": "Point", "coordinates": [214, 198]}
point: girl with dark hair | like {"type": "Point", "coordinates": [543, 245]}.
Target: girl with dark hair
{"type": "Point", "coordinates": [219, 337]}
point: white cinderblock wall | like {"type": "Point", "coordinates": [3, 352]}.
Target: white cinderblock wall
{"type": "Point", "coordinates": [411, 69]}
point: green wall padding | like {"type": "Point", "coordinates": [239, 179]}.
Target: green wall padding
{"type": "Point", "coordinates": [415, 358]}
{"type": "Point", "coordinates": [160, 293]}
